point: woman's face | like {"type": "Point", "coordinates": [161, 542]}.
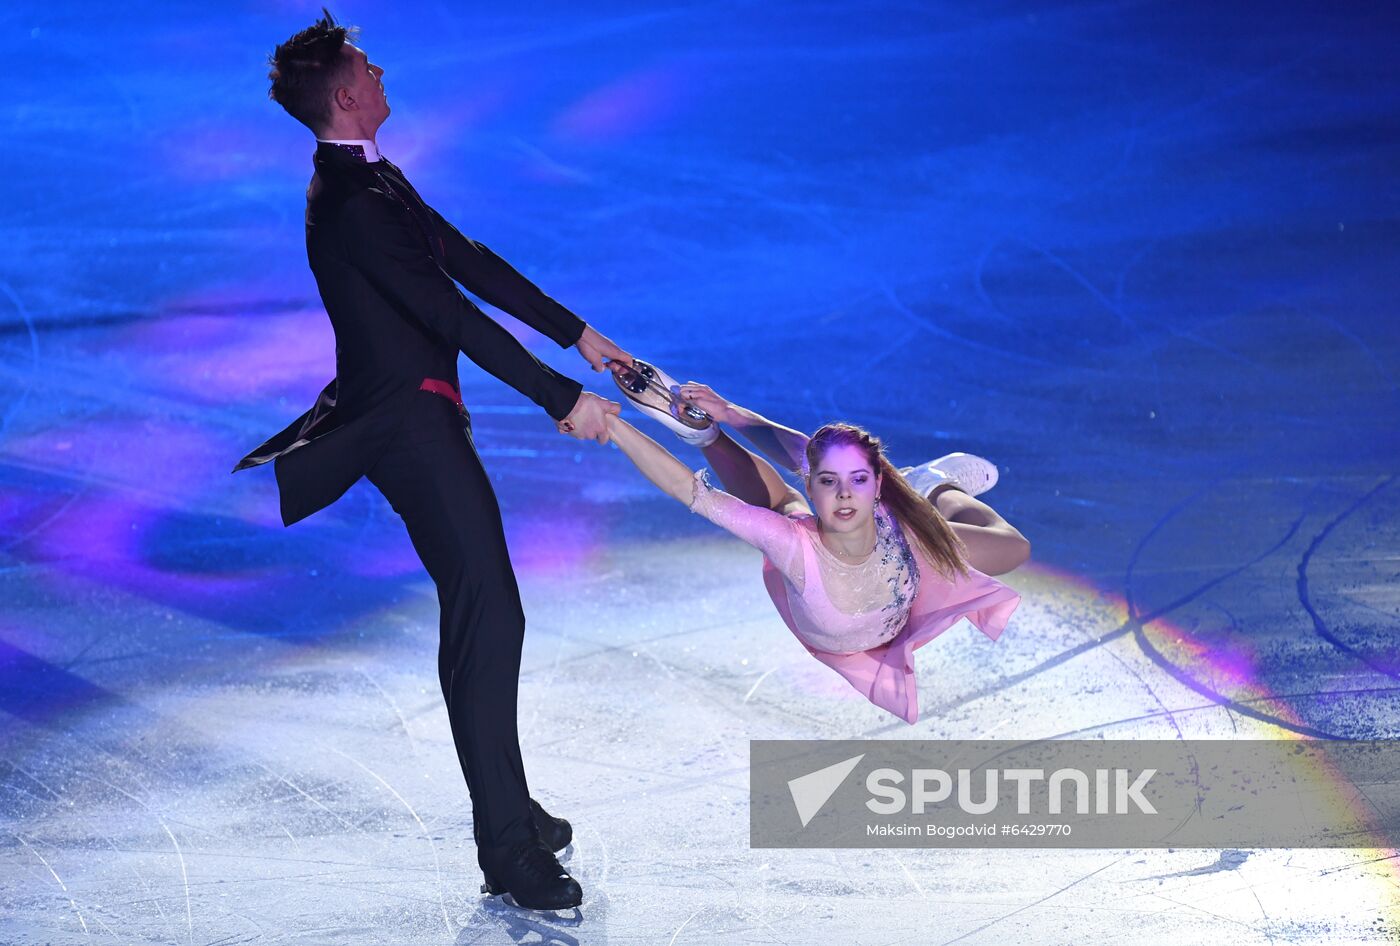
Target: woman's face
{"type": "Point", "coordinates": [843, 488]}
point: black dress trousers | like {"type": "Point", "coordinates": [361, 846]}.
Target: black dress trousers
{"type": "Point", "coordinates": [388, 268]}
{"type": "Point", "coordinates": [431, 475]}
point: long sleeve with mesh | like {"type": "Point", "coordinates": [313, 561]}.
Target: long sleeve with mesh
{"type": "Point", "coordinates": [773, 534]}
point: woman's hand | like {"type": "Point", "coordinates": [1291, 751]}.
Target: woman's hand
{"type": "Point", "coordinates": [588, 419]}
{"type": "Point", "coordinates": [705, 398]}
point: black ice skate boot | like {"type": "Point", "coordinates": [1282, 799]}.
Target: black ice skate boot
{"type": "Point", "coordinates": [556, 833]}
{"type": "Point", "coordinates": [529, 873]}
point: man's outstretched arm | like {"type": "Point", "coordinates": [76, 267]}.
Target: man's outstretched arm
{"type": "Point", "coordinates": [388, 248]}
{"type": "Point", "coordinates": [487, 275]}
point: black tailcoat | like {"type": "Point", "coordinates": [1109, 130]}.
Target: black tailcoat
{"type": "Point", "coordinates": [385, 262]}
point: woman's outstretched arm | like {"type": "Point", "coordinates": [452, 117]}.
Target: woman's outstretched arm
{"type": "Point", "coordinates": [782, 445]}
{"type": "Point", "coordinates": [673, 477]}
{"type": "Point", "coordinates": [775, 535]}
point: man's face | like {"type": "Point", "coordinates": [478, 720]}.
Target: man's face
{"type": "Point", "coordinates": [364, 88]}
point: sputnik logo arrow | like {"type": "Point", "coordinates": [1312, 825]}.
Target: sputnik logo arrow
{"type": "Point", "coordinates": [811, 791]}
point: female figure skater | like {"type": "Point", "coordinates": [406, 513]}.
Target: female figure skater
{"type": "Point", "coordinates": [889, 560]}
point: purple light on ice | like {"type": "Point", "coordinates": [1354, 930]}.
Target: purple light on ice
{"type": "Point", "coordinates": [558, 545]}
{"type": "Point", "coordinates": [626, 106]}
{"type": "Point", "coordinates": [222, 359]}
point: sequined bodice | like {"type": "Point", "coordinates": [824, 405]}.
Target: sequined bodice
{"type": "Point", "coordinates": [838, 607]}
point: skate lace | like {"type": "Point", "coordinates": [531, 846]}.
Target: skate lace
{"type": "Point", "coordinates": [536, 860]}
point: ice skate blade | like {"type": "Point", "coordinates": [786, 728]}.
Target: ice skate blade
{"type": "Point", "coordinates": [492, 889]}
{"type": "Point", "coordinates": [647, 386]}
{"type": "Point", "coordinates": [571, 914]}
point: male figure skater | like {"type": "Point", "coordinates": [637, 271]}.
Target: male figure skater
{"type": "Point", "coordinates": [384, 263]}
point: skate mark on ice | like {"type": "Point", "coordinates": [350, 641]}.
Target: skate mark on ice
{"type": "Point", "coordinates": [1305, 598]}
{"type": "Point", "coordinates": [1136, 622]}
{"type": "Point", "coordinates": [315, 801]}
{"type": "Point", "coordinates": [1184, 710]}
{"type": "Point", "coordinates": [403, 723]}
{"type": "Point", "coordinates": [437, 865]}
{"type": "Point", "coordinates": [1134, 625]}
{"type": "Point", "coordinates": [59, 880]}
{"type": "Point", "coordinates": [1033, 903]}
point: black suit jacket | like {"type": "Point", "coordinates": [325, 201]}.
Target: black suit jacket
{"type": "Point", "coordinates": [384, 263]}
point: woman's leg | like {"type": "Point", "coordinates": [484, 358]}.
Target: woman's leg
{"type": "Point", "coordinates": [994, 546]}
{"type": "Point", "coordinates": [749, 477]}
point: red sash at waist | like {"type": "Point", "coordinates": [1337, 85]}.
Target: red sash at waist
{"type": "Point", "coordinates": [444, 388]}
{"type": "Point", "coordinates": [449, 391]}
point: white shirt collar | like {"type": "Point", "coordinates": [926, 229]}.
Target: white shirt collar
{"type": "Point", "coordinates": [371, 152]}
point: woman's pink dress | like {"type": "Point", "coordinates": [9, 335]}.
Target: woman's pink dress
{"type": "Point", "coordinates": [895, 602]}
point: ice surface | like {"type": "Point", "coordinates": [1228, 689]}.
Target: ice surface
{"type": "Point", "coordinates": [1142, 256]}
